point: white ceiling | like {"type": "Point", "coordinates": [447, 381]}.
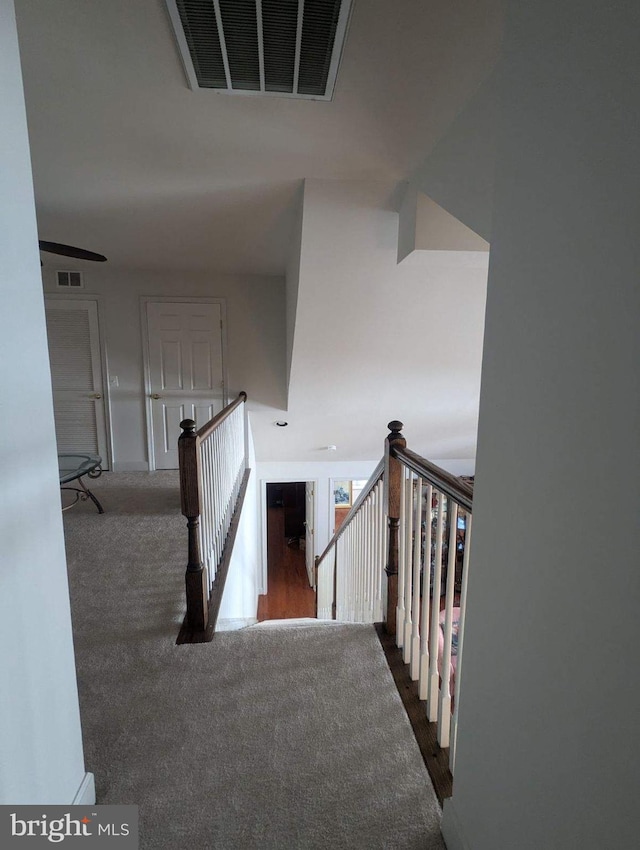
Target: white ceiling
{"type": "Point", "coordinates": [129, 162]}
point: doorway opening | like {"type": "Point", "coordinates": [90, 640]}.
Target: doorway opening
{"type": "Point", "coordinates": [290, 508]}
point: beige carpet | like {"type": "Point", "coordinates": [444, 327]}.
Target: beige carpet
{"type": "Point", "coordinates": [265, 738]}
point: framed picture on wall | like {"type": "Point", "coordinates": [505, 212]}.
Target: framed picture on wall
{"type": "Point", "coordinates": [342, 494]}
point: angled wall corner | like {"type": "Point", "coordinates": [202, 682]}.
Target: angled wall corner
{"type": "Point", "coordinates": [458, 173]}
{"type": "Point", "coordinates": [428, 234]}
{"type": "Point", "coordinates": [292, 278]}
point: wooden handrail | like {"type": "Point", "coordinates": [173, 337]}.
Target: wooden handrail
{"type": "Point", "coordinates": [371, 483]}
{"type": "Point", "coordinates": [212, 424]}
{"type": "Point", "coordinates": [202, 601]}
{"type": "Point", "coordinates": [442, 480]}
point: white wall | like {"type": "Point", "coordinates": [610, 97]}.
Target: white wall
{"type": "Point", "coordinates": [375, 341]}
{"type": "Point", "coordinates": [549, 740]}
{"type": "Point", "coordinates": [292, 277]}
{"type": "Point", "coordinates": [41, 759]}
{"type": "Point", "coordinates": [423, 225]}
{"type": "Point", "coordinates": [458, 173]}
{"type": "Point", "coordinates": [255, 331]}
{"type": "Point", "coordinates": [358, 351]}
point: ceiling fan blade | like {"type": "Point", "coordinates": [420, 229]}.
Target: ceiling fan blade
{"type": "Point", "coordinates": [70, 251]}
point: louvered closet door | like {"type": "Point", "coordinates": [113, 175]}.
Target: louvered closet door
{"type": "Point", "coordinates": [76, 377]}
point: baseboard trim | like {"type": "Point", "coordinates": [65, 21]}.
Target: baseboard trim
{"type": "Point", "coordinates": [86, 793]}
{"type": "Point", "coordinates": [130, 466]}
{"type": "Point", "coordinates": [232, 624]}
{"type": "Point", "coordinates": [451, 829]}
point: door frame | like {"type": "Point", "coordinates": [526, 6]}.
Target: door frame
{"type": "Point", "coordinates": [104, 361]}
{"type": "Point", "coordinates": [170, 299]}
{"type": "Point", "coordinates": [263, 519]}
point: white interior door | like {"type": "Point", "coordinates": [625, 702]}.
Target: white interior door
{"type": "Point", "coordinates": [186, 371]}
{"type": "Point", "coordinates": [309, 524]}
{"type": "Point", "coordinates": [76, 377]}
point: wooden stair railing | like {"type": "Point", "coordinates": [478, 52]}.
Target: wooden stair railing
{"type": "Point", "coordinates": [412, 523]}
{"type": "Point", "coordinates": [435, 513]}
{"type": "Point", "coordinates": [359, 541]}
{"type": "Point", "coordinates": [213, 482]}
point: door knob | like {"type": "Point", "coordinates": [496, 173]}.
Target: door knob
{"type": "Point", "coordinates": [155, 395]}
{"type": "Point", "coordinates": [96, 395]}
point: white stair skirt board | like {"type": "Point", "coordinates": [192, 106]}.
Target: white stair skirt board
{"type": "Point", "coordinates": [450, 828]}
{"type": "Point", "coordinates": [86, 793]}
{"type": "Point", "coordinates": [233, 624]}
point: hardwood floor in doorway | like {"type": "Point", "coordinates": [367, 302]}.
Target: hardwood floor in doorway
{"type": "Point", "coordinates": [289, 594]}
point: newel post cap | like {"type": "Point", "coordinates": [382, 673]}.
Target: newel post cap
{"type": "Point", "coordinates": [395, 427]}
{"type": "Point", "coordinates": [188, 427]}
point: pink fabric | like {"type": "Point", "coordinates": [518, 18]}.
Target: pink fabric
{"type": "Point", "coordinates": [454, 649]}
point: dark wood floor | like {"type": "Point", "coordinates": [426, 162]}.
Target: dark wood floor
{"type": "Point", "coordinates": [435, 758]}
{"type": "Point", "coordinates": [288, 592]}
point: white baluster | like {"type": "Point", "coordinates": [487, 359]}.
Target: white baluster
{"type": "Point", "coordinates": [346, 572]}
{"type": "Point", "coordinates": [357, 588]}
{"type": "Point", "coordinates": [400, 612]}
{"type": "Point", "coordinates": [363, 558]}
{"type": "Point", "coordinates": [382, 538]}
{"type": "Point", "coordinates": [368, 573]}
{"type": "Point", "coordinates": [408, 573]}
{"type": "Point", "coordinates": [320, 589]}
{"type": "Point", "coordinates": [202, 524]}
{"type": "Point", "coordinates": [340, 580]}
{"type": "Point", "coordinates": [208, 466]}
{"type": "Point", "coordinates": [215, 484]}
{"type": "Point", "coordinates": [423, 677]}
{"type": "Point", "coordinates": [355, 565]}
{"type": "Point", "coordinates": [205, 525]}
{"type": "Point", "coordinates": [444, 710]}
{"type": "Point", "coordinates": [463, 608]}
{"type": "Point", "coordinates": [370, 556]}
{"type": "Point", "coordinates": [375, 554]}
{"type": "Point", "coordinates": [331, 559]}
{"type": "Point", "coordinates": [339, 585]}
{"type": "Point", "coordinates": [211, 476]}
{"type": "Point", "coordinates": [415, 611]}
{"type": "Point", "coordinates": [432, 696]}
{"type": "Point", "coordinates": [360, 538]}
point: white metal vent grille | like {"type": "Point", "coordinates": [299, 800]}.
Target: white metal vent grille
{"type": "Point", "coordinates": [69, 280]}
{"type": "Point", "coordinates": [283, 48]}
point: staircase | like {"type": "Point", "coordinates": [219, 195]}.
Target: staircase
{"type": "Point", "coordinates": [269, 737]}
{"type": "Point", "coordinates": [400, 557]}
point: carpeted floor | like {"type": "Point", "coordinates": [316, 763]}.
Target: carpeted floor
{"type": "Point", "coordinates": [266, 738]}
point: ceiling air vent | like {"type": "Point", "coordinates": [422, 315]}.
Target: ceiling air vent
{"type": "Point", "coordinates": [281, 48]}
{"type": "Point", "coordinates": [69, 280]}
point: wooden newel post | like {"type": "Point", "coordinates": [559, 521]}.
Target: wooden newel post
{"type": "Point", "coordinates": [393, 485]}
{"type": "Point", "coordinates": [195, 576]}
